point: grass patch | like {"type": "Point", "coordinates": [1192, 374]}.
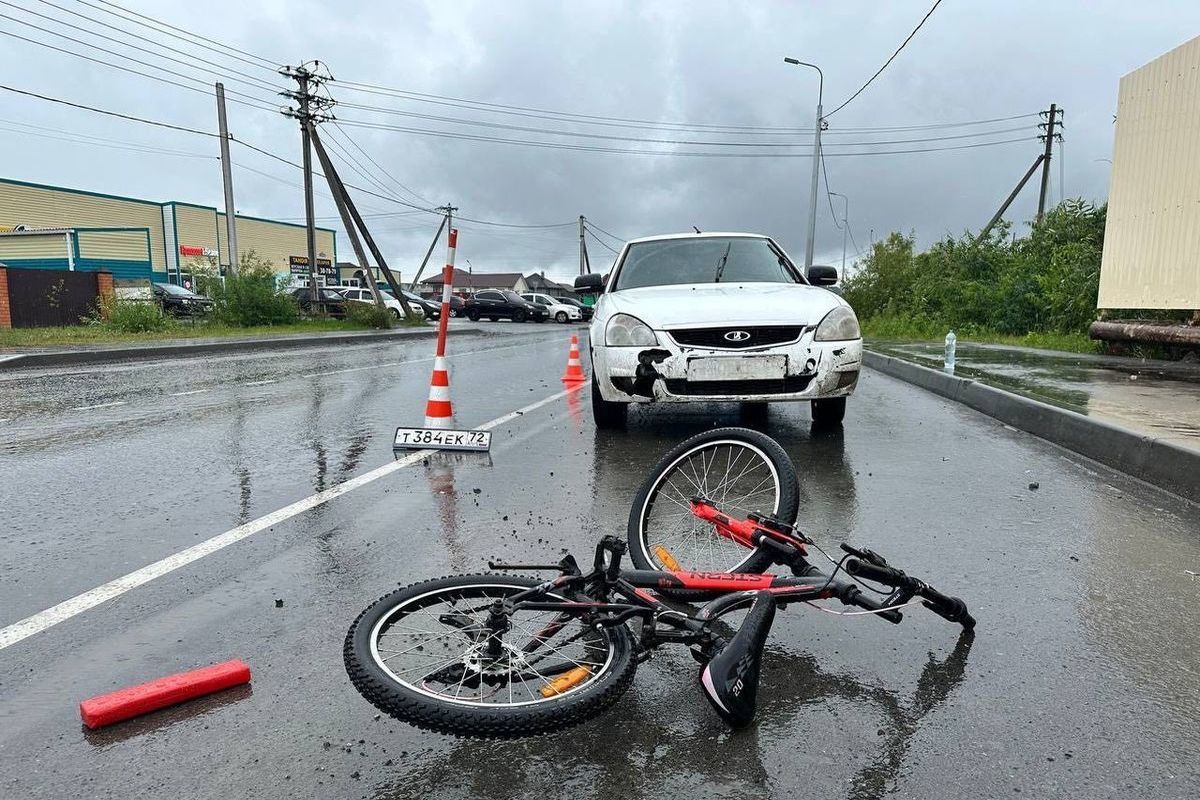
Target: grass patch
{"type": "Point", "coordinates": [901, 330]}
{"type": "Point", "coordinates": [175, 330]}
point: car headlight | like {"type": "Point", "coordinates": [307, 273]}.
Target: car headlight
{"type": "Point", "coordinates": [838, 325]}
{"type": "Point", "coordinates": [626, 331]}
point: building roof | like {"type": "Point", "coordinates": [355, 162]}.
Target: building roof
{"type": "Point", "coordinates": [540, 283]}
{"type": "Point", "coordinates": [478, 280]}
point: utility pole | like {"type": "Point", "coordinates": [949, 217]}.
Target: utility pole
{"type": "Point", "coordinates": [310, 111]}
{"type": "Point", "coordinates": [816, 163]}
{"type": "Point", "coordinates": [446, 211]}
{"type": "Point", "coordinates": [582, 246]}
{"type": "Point", "coordinates": [1048, 137]}
{"type": "Point", "coordinates": [227, 179]}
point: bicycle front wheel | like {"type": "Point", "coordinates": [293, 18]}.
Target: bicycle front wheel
{"type": "Point", "coordinates": [740, 471]}
{"type": "Point", "coordinates": [425, 654]}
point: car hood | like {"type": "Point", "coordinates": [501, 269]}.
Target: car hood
{"type": "Point", "coordinates": [714, 304]}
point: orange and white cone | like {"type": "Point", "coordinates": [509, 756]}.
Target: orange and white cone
{"type": "Point", "coordinates": [574, 373]}
{"type": "Point", "coordinates": [438, 411]}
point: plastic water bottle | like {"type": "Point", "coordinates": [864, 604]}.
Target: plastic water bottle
{"type": "Point", "coordinates": [951, 343]}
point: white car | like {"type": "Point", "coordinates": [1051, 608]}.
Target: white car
{"type": "Point", "coordinates": [719, 317]}
{"type": "Point", "coordinates": [360, 294]}
{"type": "Point", "coordinates": [559, 312]}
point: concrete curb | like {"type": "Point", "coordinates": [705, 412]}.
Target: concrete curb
{"type": "Point", "coordinates": [58, 358]}
{"type": "Point", "coordinates": [1148, 458]}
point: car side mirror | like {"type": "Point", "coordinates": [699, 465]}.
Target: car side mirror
{"type": "Point", "coordinates": [822, 276]}
{"type": "Point", "coordinates": [591, 283]}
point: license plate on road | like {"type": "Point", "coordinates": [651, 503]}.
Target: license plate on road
{"type": "Point", "coordinates": [737, 368]}
{"type": "Point", "coordinates": [439, 439]}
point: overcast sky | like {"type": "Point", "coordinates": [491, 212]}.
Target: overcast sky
{"type": "Point", "coordinates": [690, 62]}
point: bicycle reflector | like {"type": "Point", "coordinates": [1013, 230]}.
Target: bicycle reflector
{"type": "Point", "coordinates": [565, 681]}
{"type": "Point", "coordinates": [666, 559]}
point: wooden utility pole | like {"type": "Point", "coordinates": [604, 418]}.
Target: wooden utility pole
{"type": "Point", "coordinates": [1049, 138]}
{"type": "Point", "coordinates": [227, 181]}
{"type": "Point", "coordinates": [447, 210]}
{"type": "Point", "coordinates": [310, 110]}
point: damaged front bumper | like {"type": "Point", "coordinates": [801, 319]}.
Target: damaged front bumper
{"type": "Point", "coordinates": [672, 373]}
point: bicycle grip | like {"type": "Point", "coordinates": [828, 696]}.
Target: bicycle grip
{"type": "Point", "coordinates": [874, 572]}
{"type": "Point", "coordinates": [949, 608]}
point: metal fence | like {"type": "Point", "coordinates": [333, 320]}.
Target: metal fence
{"type": "Point", "coordinates": [43, 297]}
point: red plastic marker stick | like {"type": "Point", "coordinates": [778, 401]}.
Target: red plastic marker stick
{"type": "Point", "coordinates": [123, 704]}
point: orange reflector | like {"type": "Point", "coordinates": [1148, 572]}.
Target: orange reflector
{"type": "Point", "coordinates": [666, 559]}
{"type": "Point", "coordinates": [565, 681]}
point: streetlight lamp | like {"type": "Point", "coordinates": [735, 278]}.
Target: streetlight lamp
{"type": "Point", "coordinates": [816, 164]}
{"type": "Point", "coordinates": [845, 227]}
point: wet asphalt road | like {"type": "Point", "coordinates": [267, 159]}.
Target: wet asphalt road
{"type": "Point", "coordinates": [1082, 680]}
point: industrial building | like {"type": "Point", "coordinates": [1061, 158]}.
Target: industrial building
{"type": "Point", "coordinates": [54, 227]}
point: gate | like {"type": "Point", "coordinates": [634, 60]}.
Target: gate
{"type": "Point", "coordinates": [42, 297]}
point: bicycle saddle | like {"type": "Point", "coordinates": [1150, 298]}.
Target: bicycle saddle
{"type": "Point", "coordinates": [730, 679]}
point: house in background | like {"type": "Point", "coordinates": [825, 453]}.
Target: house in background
{"type": "Point", "coordinates": [538, 282]}
{"type": "Point", "coordinates": [466, 283]}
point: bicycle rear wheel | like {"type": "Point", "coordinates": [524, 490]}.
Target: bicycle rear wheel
{"type": "Point", "coordinates": [420, 654]}
{"type": "Point", "coordinates": [740, 471]}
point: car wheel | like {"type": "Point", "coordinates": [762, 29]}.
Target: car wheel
{"type": "Point", "coordinates": [607, 414]}
{"type": "Point", "coordinates": [472, 315]}
{"type": "Point", "coordinates": [453, 313]}
{"type": "Point", "coordinates": [829, 412]}
{"type": "Point", "coordinates": [560, 317]}
{"type": "Point", "coordinates": [395, 313]}
{"type": "Point", "coordinates": [518, 316]}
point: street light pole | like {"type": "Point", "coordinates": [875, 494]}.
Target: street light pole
{"type": "Point", "coordinates": [816, 164]}
{"type": "Point", "coordinates": [845, 227]}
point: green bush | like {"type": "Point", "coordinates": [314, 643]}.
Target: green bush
{"type": "Point", "coordinates": [368, 315]}
{"type": "Point", "coordinates": [254, 296]}
{"type": "Point", "coordinates": [1046, 281]}
{"type": "Point", "coordinates": [132, 316]}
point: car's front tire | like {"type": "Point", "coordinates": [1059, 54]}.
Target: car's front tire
{"type": "Point", "coordinates": [561, 317]}
{"type": "Point", "coordinates": [472, 315]}
{"type": "Point", "coordinates": [606, 413]}
{"type": "Point", "coordinates": [830, 411]}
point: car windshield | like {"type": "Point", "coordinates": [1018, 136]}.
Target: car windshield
{"type": "Point", "coordinates": [171, 288]}
{"type": "Point", "coordinates": [727, 259]}
{"type": "Point", "coordinates": [512, 297]}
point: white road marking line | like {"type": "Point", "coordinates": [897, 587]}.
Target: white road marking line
{"type": "Point", "coordinates": [260, 383]}
{"type": "Point", "coordinates": [44, 620]}
{"type": "Point", "coordinates": [100, 405]}
{"type": "Point", "coordinates": [185, 394]}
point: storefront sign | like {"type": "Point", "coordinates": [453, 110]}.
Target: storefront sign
{"type": "Point", "coordinates": [189, 250]}
{"type": "Point", "coordinates": [298, 265]}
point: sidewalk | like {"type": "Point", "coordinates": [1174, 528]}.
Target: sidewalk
{"type": "Point", "coordinates": [1160, 399]}
{"type": "Point", "coordinates": [12, 358]}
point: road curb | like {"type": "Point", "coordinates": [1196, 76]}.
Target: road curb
{"type": "Point", "coordinates": [1143, 456]}
{"type": "Point", "coordinates": [58, 358]}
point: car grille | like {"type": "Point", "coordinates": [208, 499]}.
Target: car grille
{"type": "Point", "coordinates": [759, 336]}
{"type": "Point", "coordinates": [684, 388]}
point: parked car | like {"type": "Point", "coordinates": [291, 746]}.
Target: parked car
{"type": "Point", "coordinates": [178, 301]}
{"type": "Point", "coordinates": [457, 304]}
{"type": "Point", "coordinates": [497, 304]}
{"type": "Point", "coordinates": [585, 311]}
{"type": "Point", "coordinates": [430, 309]}
{"type": "Point", "coordinates": [359, 294]}
{"type": "Point", "coordinates": [329, 302]}
{"type": "Point", "coordinates": [719, 316]}
{"type": "Point", "coordinates": [559, 311]}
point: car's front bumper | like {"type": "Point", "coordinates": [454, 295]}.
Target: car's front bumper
{"type": "Point", "coordinates": [813, 371]}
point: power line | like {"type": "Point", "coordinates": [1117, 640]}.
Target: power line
{"type": "Point", "coordinates": [96, 141]}
{"type": "Point", "coordinates": [160, 68]}
{"type": "Point", "coordinates": [258, 83]}
{"type": "Point", "coordinates": [190, 38]}
{"type": "Point", "coordinates": [828, 191]}
{"type": "Point", "coordinates": [632, 151]}
{"type": "Point", "coordinates": [619, 239]}
{"type": "Point", "coordinates": [367, 155]}
{"type": "Point", "coordinates": [879, 71]}
{"type": "Point", "coordinates": [106, 112]}
{"type": "Point", "coordinates": [598, 240]}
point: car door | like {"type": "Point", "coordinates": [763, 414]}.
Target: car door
{"type": "Point", "coordinates": [490, 303]}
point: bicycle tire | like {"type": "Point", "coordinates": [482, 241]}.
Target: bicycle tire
{"type": "Point", "coordinates": [787, 501]}
{"type": "Point", "coordinates": [468, 719]}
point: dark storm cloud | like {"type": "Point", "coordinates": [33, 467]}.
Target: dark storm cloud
{"type": "Point", "coordinates": [703, 62]}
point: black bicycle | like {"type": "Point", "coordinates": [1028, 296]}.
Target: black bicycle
{"type": "Point", "coordinates": [501, 656]}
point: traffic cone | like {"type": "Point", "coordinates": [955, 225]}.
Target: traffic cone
{"type": "Point", "coordinates": [438, 411]}
{"type": "Point", "coordinates": [574, 373]}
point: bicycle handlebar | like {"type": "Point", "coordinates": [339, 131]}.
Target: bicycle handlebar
{"type": "Point", "coordinates": [950, 608]}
